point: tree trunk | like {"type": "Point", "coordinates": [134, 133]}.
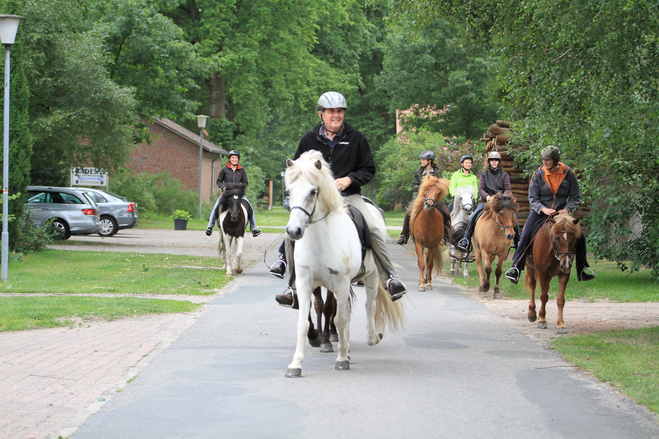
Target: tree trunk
{"type": "Point", "coordinates": [216, 96]}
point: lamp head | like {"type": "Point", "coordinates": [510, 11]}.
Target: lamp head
{"type": "Point", "coordinates": [8, 28]}
{"type": "Point", "coordinates": [201, 121]}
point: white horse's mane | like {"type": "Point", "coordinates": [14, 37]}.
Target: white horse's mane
{"type": "Point", "coordinates": [458, 193]}
{"type": "Point", "coordinates": [305, 169]}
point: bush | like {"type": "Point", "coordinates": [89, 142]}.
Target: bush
{"type": "Point", "coordinates": [156, 193]}
{"type": "Point", "coordinates": [33, 238]}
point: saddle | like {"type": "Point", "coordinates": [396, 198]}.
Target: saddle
{"type": "Point", "coordinates": [534, 231]}
{"type": "Point", "coordinates": [362, 229]}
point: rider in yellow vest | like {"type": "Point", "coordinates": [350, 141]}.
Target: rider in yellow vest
{"type": "Point", "coordinates": [463, 176]}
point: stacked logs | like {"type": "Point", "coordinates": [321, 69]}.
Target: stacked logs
{"type": "Point", "coordinates": [497, 138]}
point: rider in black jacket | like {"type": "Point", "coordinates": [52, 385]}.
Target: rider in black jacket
{"type": "Point", "coordinates": [350, 159]}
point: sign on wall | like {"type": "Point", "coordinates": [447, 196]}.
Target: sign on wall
{"type": "Point", "coordinates": [89, 177]}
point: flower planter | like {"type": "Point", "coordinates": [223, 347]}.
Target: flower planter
{"type": "Point", "coordinates": [180, 224]}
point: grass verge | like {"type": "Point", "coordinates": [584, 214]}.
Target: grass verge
{"type": "Point", "coordinates": [627, 359]}
{"type": "Point", "coordinates": [85, 272]}
{"type": "Point", "coordinates": [610, 283]}
{"type": "Point", "coordinates": [21, 313]}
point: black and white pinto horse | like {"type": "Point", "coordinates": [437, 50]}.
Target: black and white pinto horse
{"type": "Point", "coordinates": [232, 222]}
{"type": "Point", "coordinates": [328, 253]}
{"type": "Point", "coordinates": [463, 206]}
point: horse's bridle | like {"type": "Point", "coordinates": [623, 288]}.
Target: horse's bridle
{"type": "Point", "coordinates": [559, 255]}
{"type": "Point", "coordinates": [310, 215]}
{"type": "Point", "coordinates": [428, 199]}
{"type": "Point", "coordinates": [501, 226]}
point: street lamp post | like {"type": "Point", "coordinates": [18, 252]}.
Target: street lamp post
{"type": "Point", "coordinates": [283, 191]}
{"type": "Point", "coordinates": [201, 123]}
{"type": "Point", "coordinates": [8, 29]}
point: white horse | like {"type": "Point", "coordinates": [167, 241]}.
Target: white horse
{"type": "Point", "coordinates": [463, 206]}
{"type": "Point", "coordinates": [232, 224]}
{"type": "Point", "coordinates": [328, 253]}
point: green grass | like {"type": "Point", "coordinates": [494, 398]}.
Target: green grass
{"type": "Point", "coordinates": [609, 283]}
{"type": "Point", "coordinates": [60, 271]}
{"type": "Point", "coordinates": [21, 313]}
{"type": "Point", "coordinates": [628, 360]}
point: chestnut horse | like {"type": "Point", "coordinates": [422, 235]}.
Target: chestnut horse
{"type": "Point", "coordinates": [493, 235]}
{"type": "Point", "coordinates": [427, 228]}
{"type": "Point", "coordinates": [552, 255]}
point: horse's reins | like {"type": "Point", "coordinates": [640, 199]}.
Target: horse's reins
{"type": "Point", "coordinates": [559, 255]}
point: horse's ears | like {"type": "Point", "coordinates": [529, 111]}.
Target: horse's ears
{"type": "Point", "coordinates": [318, 164]}
{"type": "Point", "coordinates": [575, 220]}
{"type": "Point", "coordinates": [289, 163]}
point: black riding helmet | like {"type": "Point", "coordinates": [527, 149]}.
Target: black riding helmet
{"type": "Point", "coordinates": [465, 157]}
{"type": "Point", "coordinates": [234, 152]}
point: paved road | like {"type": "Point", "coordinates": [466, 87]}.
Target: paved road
{"type": "Point", "coordinates": [455, 371]}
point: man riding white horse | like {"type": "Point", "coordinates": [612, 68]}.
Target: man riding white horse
{"type": "Point", "coordinates": [351, 161]}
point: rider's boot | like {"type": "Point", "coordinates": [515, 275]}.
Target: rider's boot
{"type": "Point", "coordinates": [209, 231]}
{"type": "Point", "coordinates": [278, 269]}
{"type": "Point", "coordinates": [396, 288]}
{"type": "Point", "coordinates": [401, 240]}
{"type": "Point", "coordinates": [584, 276]}
{"type": "Point", "coordinates": [256, 232]}
{"type": "Point", "coordinates": [288, 298]}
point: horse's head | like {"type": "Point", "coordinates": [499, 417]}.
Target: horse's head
{"type": "Point", "coordinates": [312, 192]}
{"type": "Point", "coordinates": [432, 191]}
{"type": "Point", "coordinates": [466, 199]}
{"type": "Point", "coordinates": [563, 235]}
{"type": "Point", "coordinates": [235, 207]}
{"type": "Point", "coordinates": [503, 208]}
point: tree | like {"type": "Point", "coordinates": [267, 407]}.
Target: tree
{"type": "Point", "coordinates": [20, 149]}
{"type": "Point", "coordinates": [443, 77]}
{"type": "Point", "coordinates": [583, 76]}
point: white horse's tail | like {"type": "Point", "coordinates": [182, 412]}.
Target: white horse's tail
{"type": "Point", "coordinates": [388, 313]}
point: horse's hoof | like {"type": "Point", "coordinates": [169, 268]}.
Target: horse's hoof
{"type": "Point", "coordinates": [497, 295]}
{"type": "Point", "coordinates": [428, 287]}
{"type": "Point", "coordinates": [561, 330]}
{"type": "Point", "coordinates": [326, 348]}
{"type": "Point", "coordinates": [342, 365]}
{"type": "Point", "coordinates": [334, 338]}
{"type": "Point", "coordinates": [239, 270]}
{"type": "Point", "coordinates": [482, 289]}
{"type": "Point", "coordinates": [542, 325]}
{"type": "Point", "coordinates": [532, 318]}
{"type": "Point", "coordinates": [422, 287]}
{"type": "Point", "coordinates": [316, 342]}
{"type": "Point", "coordinates": [294, 373]}
{"type": "Point", "coordinates": [380, 335]}
{"type": "Point", "coordinates": [466, 276]}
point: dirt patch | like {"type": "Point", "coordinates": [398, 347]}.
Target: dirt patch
{"type": "Point", "coordinates": [580, 316]}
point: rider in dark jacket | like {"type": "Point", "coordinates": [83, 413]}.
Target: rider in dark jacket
{"type": "Point", "coordinates": [351, 161]}
{"type": "Point", "coordinates": [492, 181]}
{"type": "Point", "coordinates": [428, 167]}
{"type": "Point", "coordinates": [553, 190]}
{"type": "Point", "coordinates": [232, 176]}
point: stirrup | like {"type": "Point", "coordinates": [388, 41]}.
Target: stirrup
{"type": "Point", "coordinates": [278, 269]}
{"type": "Point", "coordinates": [288, 298]}
{"type": "Point", "coordinates": [401, 240]}
{"type": "Point", "coordinates": [584, 277]}
{"type": "Point", "coordinates": [396, 288]}
{"type": "Point", "coordinates": [513, 275]}
{"type": "Point", "coordinates": [463, 245]}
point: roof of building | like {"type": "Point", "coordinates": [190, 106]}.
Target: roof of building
{"type": "Point", "coordinates": [189, 135]}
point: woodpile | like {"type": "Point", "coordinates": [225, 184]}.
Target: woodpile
{"type": "Point", "coordinates": [497, 138]}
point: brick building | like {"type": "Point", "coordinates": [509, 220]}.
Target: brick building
{"type": "Point", "coordinates": [176, 149]}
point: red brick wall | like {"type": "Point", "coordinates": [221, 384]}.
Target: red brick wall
{"type": "Point", "coordinates": [177, 155]}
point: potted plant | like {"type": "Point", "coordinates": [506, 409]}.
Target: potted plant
{"type": "Point", "coordinates": [181, 218]}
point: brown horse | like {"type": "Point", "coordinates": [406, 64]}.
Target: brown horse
{"type": "Point", "coordinates": [493, 235]}
{"type": "Point", "coordinates": [552, 255]}
{"type": "Point", "coordinates": [427, 227]}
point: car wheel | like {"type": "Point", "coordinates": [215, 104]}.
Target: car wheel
{"type": "Point", "coordinates": [62, 227]}
{"type": "Point", "coordinates": [108, 226]}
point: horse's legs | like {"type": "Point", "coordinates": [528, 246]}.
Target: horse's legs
{"type": "Point", "coordinates": [430, 263]}
{"type": "Point", "coordinates": [371, 283]}
{"type": "Point", "coordinates": [239, 254]}
{"type": "Point", "coordinates": [454, 261]}
{"type": "Point", "coordinates": [329, 310]}
{"type": "Point", "coordinates": [342, 321]}
{"type": "Point", "coordinates": [531, 281]}
{"type": "Point", "coordinates": [222, 250]}
{"type": "Point", "coordinates": [229, 253]}
{"type": "Point", "coordinates": [544, 297]}
{"type": "Point", "coordinates": [560, 301]}
{"type": "Point", "coordinates": [314, 336]}
{"type": "Point", "coordinates": [420, 262]}
{"type": "Point", "coordinates": [478, 257]}
{"type": "Point", "coordinates": [465, 273]}
{"type": "Point", "coordinates": [497, 273]}
{"type": "Point", "coordinates": [304, 301]}
{"type": "Point", "coordinates": [487, 268]}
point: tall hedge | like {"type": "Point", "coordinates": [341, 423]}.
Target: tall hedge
{"type": "Point", "coordinates": [20, 149]}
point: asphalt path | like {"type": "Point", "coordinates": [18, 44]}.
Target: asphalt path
{"type": "Point", "coordinates": [454, 371]}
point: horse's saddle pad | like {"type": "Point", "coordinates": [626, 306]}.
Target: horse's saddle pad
{"type": "Point", "coordinates": [362, 227]}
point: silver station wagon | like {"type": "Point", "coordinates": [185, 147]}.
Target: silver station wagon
{"type": "Point", "coordinates": [72, 211]}
{"type": "Point", "coordinates": [116, 212]}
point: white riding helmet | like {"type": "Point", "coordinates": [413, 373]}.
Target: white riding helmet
{"type": "Point", "coordinates": [331, 99]}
